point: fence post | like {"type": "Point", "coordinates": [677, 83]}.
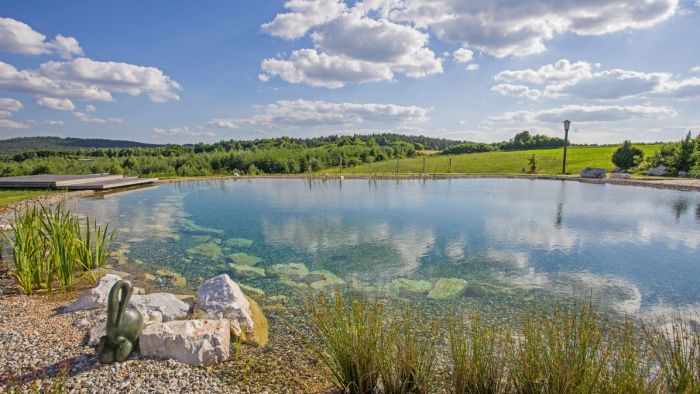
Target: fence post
{"type": "Point", "coordinates": [449, 167]}
{"type": "Point", "coordinates": [341, 164]}
{"type": "Point", "coordinates": [397, 165]}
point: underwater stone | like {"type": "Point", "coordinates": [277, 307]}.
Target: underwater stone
{"type": "Point", "coordinates": [179, 281]}
{"type": "Point", "coordinates": [411, 286]}
{"type": "Point", "coordinates": [247, 271]}
{"type": "Point", "coordinates": [293, 271]}
{"type": "Point", "coordinates": [167, 272]}
{"type": "Point", "coordinates": [149, 277]}
{"type": "Point", "coordinates": [238, 243]}
{"type": "Point", "coordinates": [251, 290]}
{"type": "Point", "coordinates": [259, 334]}
{"type": "Point", "coordinates": [192, 342]}
{"type": "Point", "coordinates": [207, 249]}
{"type": "Point", "coordinates": [447, 288]}
{"type": "Point", "coordinates": [201, 238]}
{"type": "Point", "coordinates": [244, 259]}
{"type": "Point", "coordinates": [323, 280]}
{"type": "Point", "coordinates": [279, 298]}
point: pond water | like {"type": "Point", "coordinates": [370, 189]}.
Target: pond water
{"type": "Point", "coordinates": [493, 244]}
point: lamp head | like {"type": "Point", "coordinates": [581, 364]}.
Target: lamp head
{"type": "Point", "coordinates": [567, 123]}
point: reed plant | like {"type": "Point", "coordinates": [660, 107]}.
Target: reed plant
{"type": "Point", "coordinates": [480, 356]}
{"type": "Point", "coordinates": [351, 335]}
{"type": "Point", "coordinates": [409, 355]}
{"type": "Point", "coordinates": [51, 245]}
{"type": "Point", "coordinates": [676, 352]}
{"type": "Point", "coordinates": [561, 352]}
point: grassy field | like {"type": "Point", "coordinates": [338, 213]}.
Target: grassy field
{"type": "Point", "coordinates": [9, 196]}
{"type": "Point", "coordinates": [548, 162]}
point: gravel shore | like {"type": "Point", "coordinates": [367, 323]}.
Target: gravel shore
{"type": "Point", "coordinates": [43, 349]}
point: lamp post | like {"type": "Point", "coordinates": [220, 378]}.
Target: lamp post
{"type": "Point", "coordinates": [567, 123]}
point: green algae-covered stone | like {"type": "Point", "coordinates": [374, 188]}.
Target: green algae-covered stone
{"type": "Point", "coordinates": [207, 249]}
{"type": "Point", "coordinates": [247, 271]}
{"type": "Point", "coordinates": [238, 243]}
{"type": "Point", "coordinates": [448, 288]}
{"type": "Point", "coordinates": [293, 271]}
{"type": "Point", "coordinates": [244, 259]}
{"type": "Point", "coordinates": [410, 287]}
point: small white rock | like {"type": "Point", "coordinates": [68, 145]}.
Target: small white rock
{"type": "Point", "coordinates": [193, 342]}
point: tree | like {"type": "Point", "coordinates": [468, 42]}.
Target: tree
{"type": "Point", "coordinates": [683, 160]}
{"type": "Point", "coordinates": [624, 156]}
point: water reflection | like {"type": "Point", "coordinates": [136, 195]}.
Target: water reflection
{"type": "Point", "coordinates": [621, 244]}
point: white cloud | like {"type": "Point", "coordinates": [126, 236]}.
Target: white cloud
{"type": "Point", "coordinates": [304, 15]}
{"type": "Point", "coordinates": [586, 114]}
{"type": "Point", "coordinates": [565, 79]}
{"type": "Point", "coordinates": [7, 124]}
{"type": "Point", "coordinates": [18, 37]}
{"type": "Point", "coordinates": [83, 117]}
{"type": "Point", "coordinates": [8, 106]}
{"type": "Point", "coordinates": [695, 69]}
{"type": "Point", "coordinates": [181, 131]}
{"type": "Point", "coordinates": [303, 113]}
{"type": "Point", "coordinates": [89, 108]}
{"type": "Point", "coordinates": [351, 47]}
{"type": "Point", "coordinates": [507, 89]}
{"type": "Point", "coordinates": [115, 77]}
{"type": "Point", "coordinates": [522, 27]}
{"type": "Point", "coordinates": [463, 55]}
{"type": "Point", "coordinates": [51, 122]}
{"type": "Point", "coordinates": [62, 104]}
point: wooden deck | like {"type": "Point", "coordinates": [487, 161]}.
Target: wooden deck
{"type": "Point", "coordinates": [73, 182]}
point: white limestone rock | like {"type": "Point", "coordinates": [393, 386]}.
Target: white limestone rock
{"type": "Point", "coordinates": [193, 342]}
{"type": "Point", "coordinates": [96, 297]}
{"type": "Point", "coordinates": [160, 307]}
{"type": "Point", "coordinates": [220, 297]}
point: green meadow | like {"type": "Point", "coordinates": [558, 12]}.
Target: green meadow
{"type": "Point", "coordinates": [510, 162]}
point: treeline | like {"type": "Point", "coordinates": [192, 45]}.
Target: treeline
{"type": "Point", "coordinates": [521, 141]}
{"type": "Point", "coordinates": [13, 146]}
{"type": "Point", "coordinates": [268, 156]}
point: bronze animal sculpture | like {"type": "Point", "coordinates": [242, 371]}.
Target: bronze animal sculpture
{"type": "Point", "coordinates": [124, 325]}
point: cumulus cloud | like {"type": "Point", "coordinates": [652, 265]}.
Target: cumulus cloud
{"type": "Point", "coordinates": [299, 113]}
{"type": "Point", "coordinates": [89, 108]}
{"type": "Point", "coordinates": [349, 47]}
{"type": "Point", "coordinates": [18, 37]}
{"type": "Point", "coordinates": [580, 80]}
{"type": "Point", "coordinates": [695, 69]}
{"type": "Point", "coordinates": [181, 131]}
{"type": "Point", "coordinates": [115, 77]}
{"type": "Point", "coordinates": [9, 106]}
{"type": "Point", "coordinates": [507, 89]}
{"type": "Point", "coordinates": [7, 124]}
{"type": "Point", "coordinates": [63, 104]}
{"type": "Point", "coordinates": [522, 27]}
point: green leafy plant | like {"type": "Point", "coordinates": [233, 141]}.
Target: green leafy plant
{"type": "Point", "coordinates": [626, 156]}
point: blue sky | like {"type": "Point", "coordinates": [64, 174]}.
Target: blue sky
{"type": "Point", "coordinates": [176, 71]}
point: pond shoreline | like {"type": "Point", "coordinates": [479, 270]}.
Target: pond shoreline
{"type": "Point", "coordinates": [681, 184]}
{"type": "Point", "coordinates": [7, 211]}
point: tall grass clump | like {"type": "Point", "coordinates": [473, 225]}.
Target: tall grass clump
{"type": "Point", "coordinates": [368, 350]}
{"type": "Point", "coordinates": [561, 352]}
{"type": "Point", "coordinates": [410, 354]}
{"type": "Point", "coordinates": [676, 351]}
{"type": "Point", "coordinates": [629, 368]}
{"type": "Point", "coordinates": [480, 356]}
{"type": "Point", "coordinates": [351, 337]}
{"type": "Point", "coordinates": [52, 245]}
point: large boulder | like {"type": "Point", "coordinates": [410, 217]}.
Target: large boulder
{"type": "Point", "coordinates": [661, 170]}
{"type": "Point", "coordinates": [591, 172]}
{"type": "Point", "coordinates": [220, 297]}
{"type": "Point", "coordinates": [96, 297]}
{"type": "Point", "coordinates": [155, 308]}
{"type": "Point", "coordinates": [193, 342]}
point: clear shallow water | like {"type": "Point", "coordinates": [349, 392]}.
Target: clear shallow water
{"type": "Point", "coordinates": [518, 243]}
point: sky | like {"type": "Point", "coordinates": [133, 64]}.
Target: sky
{"type": "Point", "coordinates": [166, 71]}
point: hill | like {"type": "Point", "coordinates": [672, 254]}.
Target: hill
{"type": "Point", "coordinates": [14, 146]}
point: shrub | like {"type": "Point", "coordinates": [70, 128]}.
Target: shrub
{"type": "Point", "coordinates": [625, 156]}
